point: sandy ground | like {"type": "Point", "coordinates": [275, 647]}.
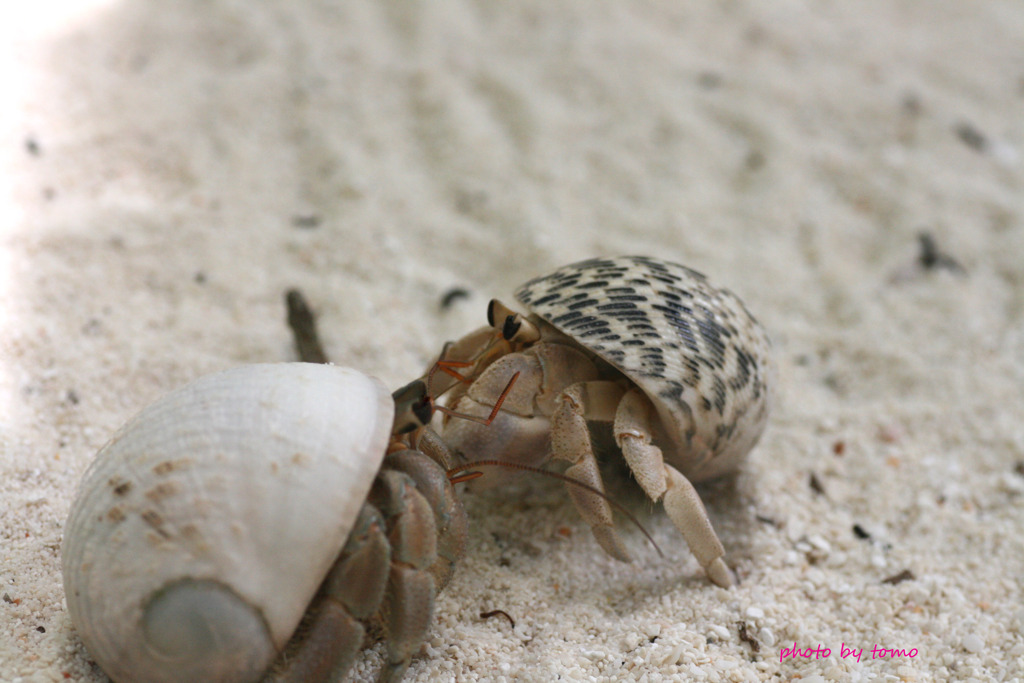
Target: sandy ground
{"type": "Point", "coordinates": [171, 168]}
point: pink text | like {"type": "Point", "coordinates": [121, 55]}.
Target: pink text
{"type": "Point", "coordinates": [820, 652]}
{"type": "Point", "coordinates": [794, 652]}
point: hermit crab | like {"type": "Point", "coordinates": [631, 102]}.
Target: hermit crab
{"type": "Point", "coordinates": [678, 367]}
{"type": "Point", "coordinates": [262, 522]}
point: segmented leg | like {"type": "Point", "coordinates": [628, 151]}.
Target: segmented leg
{"type": "Point", "coordinates": [409, 601]}
{"type": "Point", "coordinates": [326, 644]}
{"type": "Point", "coordinates": [659, 481]}
{"type": "Point", "coordinates": [408, 613]}
{"type": "Point", "coordinates": [400, 552]}
{"type": "Point", "coordinates": [432, 483]}
{"type": "Point", "coordinates": [570, 441]}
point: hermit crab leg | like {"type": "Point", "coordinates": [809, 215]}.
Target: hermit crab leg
{"type": "Point", "coordinates": [455, 478]}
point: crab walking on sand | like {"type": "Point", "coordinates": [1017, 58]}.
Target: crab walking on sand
{"type": "Point", "coordinates": [678, 366]}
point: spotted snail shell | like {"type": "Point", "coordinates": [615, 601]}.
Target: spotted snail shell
{"type": "Point", "coordinates": [203, 529]}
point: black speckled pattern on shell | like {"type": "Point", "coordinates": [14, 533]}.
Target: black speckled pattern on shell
{"type": "Point", "coordinates": [694, 349]}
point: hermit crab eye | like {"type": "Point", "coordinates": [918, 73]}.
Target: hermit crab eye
{"type": "Point", "coordinates": [512, 326]}
{"type": "Point", "coordinates": [413, 407]}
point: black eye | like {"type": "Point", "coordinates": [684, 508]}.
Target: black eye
{"type": "Point", "coordinates": [511, 326]}
{"type": "Point", "coordinates": [413, 407]}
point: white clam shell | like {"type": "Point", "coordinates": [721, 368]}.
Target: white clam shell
{"type": "Point", "coordinates": [205, 526]}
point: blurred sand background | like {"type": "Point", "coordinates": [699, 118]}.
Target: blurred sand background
{"type": "Point", "coordinates": [171, 168]}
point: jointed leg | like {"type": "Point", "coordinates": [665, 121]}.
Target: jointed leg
{"type": "Point", "coordinates": [397, 556]}
{"type": "Point", "coordinates": [329, 638]}
{"type": "Point", "coordinates": [659, 480]}
{"type": "Point", "coordinates": [570, 441]}
{"type": "Point", "coordinates": [408, 611]}
{"type": "Point", "coordinates": [408, 604]}
{"type": "Point", "coordinates": [432, 483]}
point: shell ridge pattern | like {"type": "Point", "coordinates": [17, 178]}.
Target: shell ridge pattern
{"type": "Point", "coordinates": [198, 488]}
{"type": "Point", "coordinates": [690, 345]}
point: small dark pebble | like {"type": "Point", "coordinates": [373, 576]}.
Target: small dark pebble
{"type": "Point", "coordinates": [452, 295]}
{"type": "Point", "coordinates": [912, 104]}
{"type": "Point", "coordinates": [1019, 468]}
{"type": "Point", "coordinates": [831, 381]}
{"type": "Point", "coordinates": [72, 397]}
{"type": "Point", "coordinates": [755, 160]}
{"type": "Point", "coordinates": [839, 447]}
{"type": "Point", "coordinates": [816, 484]}
{"type": "Point", "coordinates": [971, 136]}
{"type": "Point", "coordinates": [741, 626]}
{"type": "Point", "coordinates": [199, 278]}
{"type": "Point", "coordinates": [498, 612]}
{"type": "Point", "coordinates": [41, 629]}
{"type": "Point", "coordinates": [308, 221]}
{"type": "Point", "coordinates": [905, 575]}
{"type": "Point", "coordinates": [766, 520]}
{"type": "Point", "coordinates": [709, 80]}
{"type": "Point", "coordinates": [930, 258]}
{"type": "Point", "coordinates": [859, 532]}
{"type": "Point", "coordinates": [32, 147]}
{"type": "Point", "coordinates": [7, 599]}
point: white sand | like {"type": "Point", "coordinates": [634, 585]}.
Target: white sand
{"type": "Point", "coordinates": [790, 150]}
